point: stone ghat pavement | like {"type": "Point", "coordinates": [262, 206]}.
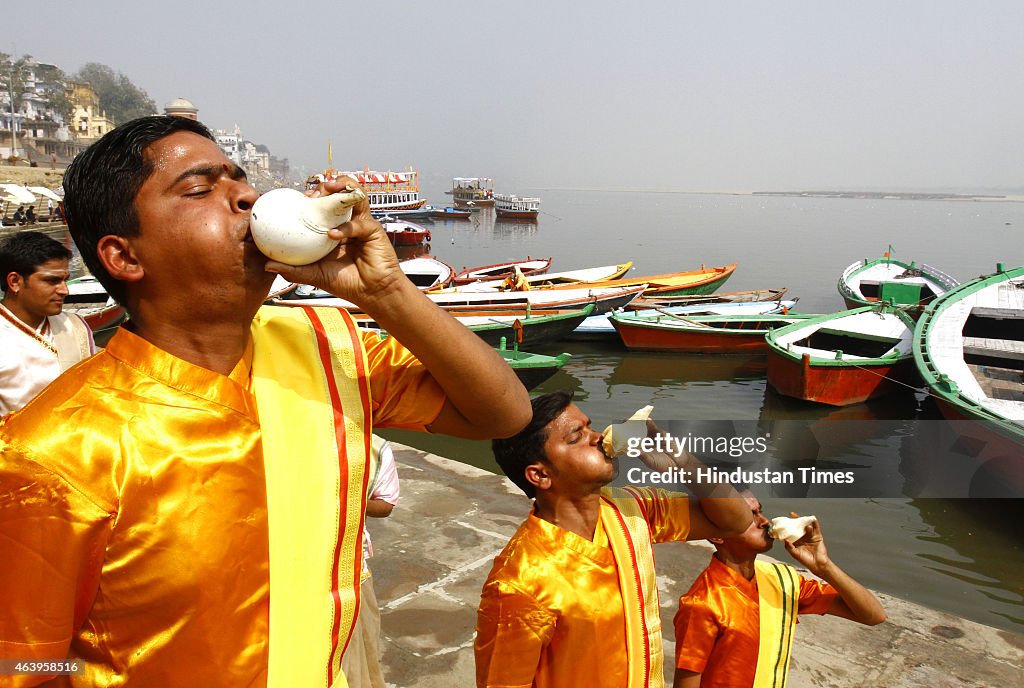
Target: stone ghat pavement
{"type": "Point", "coordinates": [435, 550]}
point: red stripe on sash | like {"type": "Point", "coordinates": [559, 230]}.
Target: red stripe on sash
{"type": "Point", "coordinates": [364, 398]}
{"type": "Point", "coordinates": [324, 349]}
{"type": "Point", "coordinates": [640, 592]}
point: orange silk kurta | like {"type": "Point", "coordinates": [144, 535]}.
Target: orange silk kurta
{"type": "Point", "coordinates": [551, 612]}
{"type": "Point", "coordinates": [133, 515]}
{"type": "Point", "coordinates": [718, 624]}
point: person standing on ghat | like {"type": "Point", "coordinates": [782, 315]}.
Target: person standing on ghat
{"type": "Point", "coordinates": [38, 340]}
{"type": "Point", "coordinates": [191, 500]}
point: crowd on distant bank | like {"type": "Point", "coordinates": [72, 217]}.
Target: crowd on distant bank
{"type": "Point", "coordinates": [26, 214]}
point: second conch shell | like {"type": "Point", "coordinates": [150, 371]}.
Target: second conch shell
{"type": "Point", "coordinates": [617, 437]}
{"type": "Point", "coordinates": [790, 529]}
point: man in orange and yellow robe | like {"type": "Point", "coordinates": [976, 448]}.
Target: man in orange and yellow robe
{"type": "Point", "coordinates": [186, 508]}
{"type": "Point", "coordinates": [572, 600]}
{"type": "Point", "coordinates": [131, 512]}
{"type": "Point", "coordinates": [735, 626]}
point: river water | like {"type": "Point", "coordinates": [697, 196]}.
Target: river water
{"type": "Point", "coordinates": [959, 555]}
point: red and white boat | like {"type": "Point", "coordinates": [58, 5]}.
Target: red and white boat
{"type": "Point", "coordinates": [843, 358]}
{"type": "Point", "coordinates": [386, 190]}
{"type": "Point", "coordinates": [699, 334]}
{"type": "Point", "coordinates": [402, 233]}
{"type": "Point", "coordinates": [516, 207]}
{"type": "Point", "coordinates": [499, 271]}
{"type": "Point", "coordinates": [87, 297]}
{"type": "Point", "coordinates": [604, 299]}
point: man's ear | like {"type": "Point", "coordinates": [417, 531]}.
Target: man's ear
{"type": "Point", "coordinates": [539, 475]}
{"type": "Point", "coordinates": [116, 255]}
{"type": "Point", "coordinates": [715, 540]}
{"type": "Point", "coordinates": [14, 282]}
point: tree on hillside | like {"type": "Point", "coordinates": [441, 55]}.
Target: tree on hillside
{"type": "Point", "coordinates": [119, 97]}
{"type": "Point", "coordinates": [12, 77]}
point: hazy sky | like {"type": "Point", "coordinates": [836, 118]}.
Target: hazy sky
{"type": "Point", "coordinates": [666, 95]}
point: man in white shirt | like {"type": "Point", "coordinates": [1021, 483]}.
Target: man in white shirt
{"type": "Point", "coordinates": [361, 661]}
{"type": "Point", "coordinates": [38, 340]}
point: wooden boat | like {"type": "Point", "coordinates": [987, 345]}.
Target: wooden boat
{"type": "Point", "coordinates": [532, 369]}
{"type": "Point", "coordinates": [843, 358]}
{"type": "Point", "coordinates": [472, 191]}
{"type": "Point", "coordinates": [450, 213]}
{"type": "Point", "coordinates": [700, 334]}
{"type": "Point", "coordinates": [528, 267]}
{"type": "Point", "coordinates": [889, 279]}
{"type": "Point", "coordinates": [600, 328]}
{"type": "Point", "coordinates": [524, 327]}
{"type": "Point", "coordinates": [515, 207]}
{"type": "Point", "coordinates": [604, 300]}
{"type": "Point", "coordinates": [747, 296]}
{"type": "Point", "coordinates": [424, 272]}
{"type": "Point", "coordinates": [703, 281]}
{"type": "Point", "coordinates": [89, 299]}
{"type": "Point", "coordinates": [969, 349]}
{"type": "Point", "coordinates": [568, 279]}
{"type": "Point", "coordinates": [402, 233]}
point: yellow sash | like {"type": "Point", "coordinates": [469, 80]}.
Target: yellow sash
{"type": "Point", "coordinates": [629, 537]}
{"type": "Point", "coordinates": [778, 592]}
{"type": "Point", "coordinates": [72, 339]}
{"type": "Point", "coordinates": [309, 379]}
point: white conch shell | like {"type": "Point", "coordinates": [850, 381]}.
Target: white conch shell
{"type": "Point", "coordinates": [790, 529]}
{"type": "Point", "coordinates": [291, 228]}
{"type": "Point", "coordinates": [617, 437]}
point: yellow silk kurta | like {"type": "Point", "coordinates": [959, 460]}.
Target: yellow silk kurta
{"type": "Point", "coordinates": [717, 626]}
{"type": "Point", "coordinates": [551, 612]}
{"type": "Point", "coordinates": [133, 515]}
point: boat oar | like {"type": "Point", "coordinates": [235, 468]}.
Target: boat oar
{"type": "Point", "coordinates": [685, 320]}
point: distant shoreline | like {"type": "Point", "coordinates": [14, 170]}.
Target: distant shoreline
{"type": "Point", "coordinates": [870, 195]}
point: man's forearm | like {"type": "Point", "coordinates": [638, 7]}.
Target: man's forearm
{"type": "Point", "coordinates": [861, 602]}
{"type": "Point", "coordinates": [482, 388]}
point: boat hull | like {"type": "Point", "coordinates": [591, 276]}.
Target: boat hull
{"type": "Point", "coordinates": [104, 318]}
{"type": "Point", "coordinates": [637, 337]}
{"type": "Point", "coordinates": [516, 214]}
{"type": "Point", "coordinates": [836, 385]}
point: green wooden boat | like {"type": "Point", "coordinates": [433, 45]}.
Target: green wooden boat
{"type": "Point", "coordinates": [969, 349]}
{"type": "Point", "coordinates": [531, 369]}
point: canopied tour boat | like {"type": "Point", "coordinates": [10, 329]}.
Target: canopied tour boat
{"type": "Point", "coordinates": [476, 191]}
{"type": "Point", "coordinates": [512, 206]}
{"type": "Point", "coordinates": [388, 191]}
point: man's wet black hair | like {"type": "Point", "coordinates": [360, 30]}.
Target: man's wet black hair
{"type": "Point", "coordinates": [24, 252]}
{"type": "Point", "coordinates": [101, 184]}
{"type": "Point", "coordinates": [515, 453]}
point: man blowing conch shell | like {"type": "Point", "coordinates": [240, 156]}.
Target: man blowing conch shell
{"type": "Point", "coordinates": [735, 626]}
{"type": "Point", "coordinates": [191, 500]}
{"type": "Point", "coordinates": [572, 600]}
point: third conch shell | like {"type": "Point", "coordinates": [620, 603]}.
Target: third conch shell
{"type": "Point", "coordinates": [790, 529]}
{"type": "Point", "coordinates": [617, 437]}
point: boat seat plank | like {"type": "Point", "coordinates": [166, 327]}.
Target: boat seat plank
{"type": "Point", "coordinates": [1003, 348]}
{"type": "Point", "coordinates": [999, 313]}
